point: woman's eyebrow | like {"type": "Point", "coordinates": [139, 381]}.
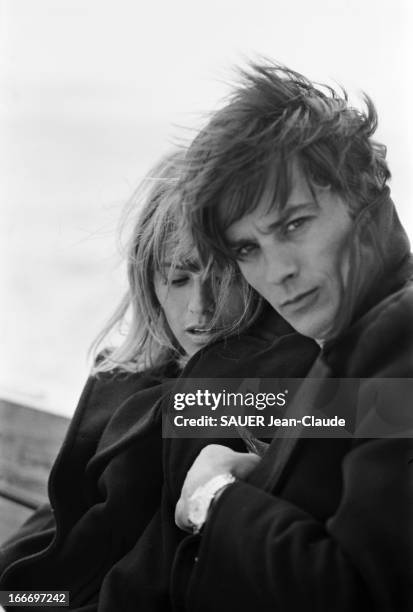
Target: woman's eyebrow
{"type": "Point", "coordinates": [185, 265]}
{"type": "Point", "coordinates": [170, 264]}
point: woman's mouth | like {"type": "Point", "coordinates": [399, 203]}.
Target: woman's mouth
{"type": "Point", "coordinates": [199, 334]}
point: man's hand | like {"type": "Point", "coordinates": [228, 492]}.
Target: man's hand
{"type": "Point", "coordinates": [213, 460]}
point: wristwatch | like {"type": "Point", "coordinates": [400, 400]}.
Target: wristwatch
{"type": "Point", "coordinates": [201, 499]}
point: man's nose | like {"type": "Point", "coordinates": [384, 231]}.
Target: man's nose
{"type": "Point", "coordinates": [281, 264]}
{"type": "Point", "coordinates": [201, 300]}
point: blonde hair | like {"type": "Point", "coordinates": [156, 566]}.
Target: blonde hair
{"type": "Point", "coordinates": [157, 231]}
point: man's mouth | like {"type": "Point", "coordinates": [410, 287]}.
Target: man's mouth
{"type": "Point", "coordinates": [302, 300]}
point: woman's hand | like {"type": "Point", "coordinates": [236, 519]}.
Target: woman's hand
{"type": "Point", "coordinates": [213, 460]}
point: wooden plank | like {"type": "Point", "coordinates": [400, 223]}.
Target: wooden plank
{"type": "Point", "coordinates": [12, 516]}
{"type": "Point", "coordinates": [29, 442]}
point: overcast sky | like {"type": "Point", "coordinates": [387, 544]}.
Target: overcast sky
{"type": "Point", "coordinates": [91, 89]}
{"type": "Point", "coordinates": [92, 92]}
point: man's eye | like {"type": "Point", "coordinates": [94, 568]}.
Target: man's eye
{"type": "Point", "coordinates": [246, 250]}
{"type": "Point", "coordinates": [179, 281]}
{"type": "Point", "coordinates": [294, 225]}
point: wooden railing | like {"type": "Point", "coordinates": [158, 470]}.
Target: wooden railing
{"type": "Point", "coordinates": [29, 442]}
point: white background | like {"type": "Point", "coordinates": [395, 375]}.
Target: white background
{"type": "Point", "coordinates": [92, 92]}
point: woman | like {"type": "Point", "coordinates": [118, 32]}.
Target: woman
{"type": "Point", "coordinates": [170, 298]}
{"type": "Point", "coordinates": [102, 495]}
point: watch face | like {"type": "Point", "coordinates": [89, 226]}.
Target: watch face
{"type": "Point", "coordinates": [200, 500]}
{"type": "Point", "coordinates": [197, 509]}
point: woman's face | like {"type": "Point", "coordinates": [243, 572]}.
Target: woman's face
{"type": "Point", "coordinates": [185, 294]}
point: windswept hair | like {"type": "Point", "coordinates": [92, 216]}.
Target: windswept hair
{"type": "Point", "coordinates": [158, 234]}
{"type": "Point", "coordinates": [246, 151]}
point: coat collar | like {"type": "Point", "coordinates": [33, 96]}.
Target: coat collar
{"type": "Point", "coordinates": [379, 261]}
{"type": "Point", "coordinates": [380, 264]}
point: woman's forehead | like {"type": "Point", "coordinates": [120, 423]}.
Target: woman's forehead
{"type": "Point", "coordinates": [180, 254]}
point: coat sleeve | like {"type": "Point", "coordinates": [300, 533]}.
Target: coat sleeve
{"type": "Point", "coordinates": [268, 554]}
{"type": "Point", "coordinates": [41, 519]}
{"type": "Point", "coordinates": [38, 531]}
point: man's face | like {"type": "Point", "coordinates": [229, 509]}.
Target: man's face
{"type": "Point", "coordinates": [297, 258]}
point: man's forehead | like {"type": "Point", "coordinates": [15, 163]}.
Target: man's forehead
{"type": "Point", "coordinates": [264, 219]}
{"type": "Point", "coordinates": [270, 210]}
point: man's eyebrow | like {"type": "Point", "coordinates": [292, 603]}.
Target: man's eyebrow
{"type": "Point", "coordinates": [286, 212]}
{"type": "Point", "coordinates": [238, 242]}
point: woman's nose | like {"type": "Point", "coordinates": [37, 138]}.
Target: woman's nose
{"type": "Point", "coordinates": [201, 301]}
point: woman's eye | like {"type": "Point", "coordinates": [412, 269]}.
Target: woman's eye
{"type": "Point", "coordinates": [179, 281]}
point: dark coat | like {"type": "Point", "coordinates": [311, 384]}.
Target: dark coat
{"type": "Point", "coordinates": [113, 538]}
{"type": "Point", "coordinates": [324, 524]}
{"type": "Point", "coordinates": [87, 490]}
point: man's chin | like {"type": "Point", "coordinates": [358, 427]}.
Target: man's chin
{"type": "Point", "coordinates": [315, 329]}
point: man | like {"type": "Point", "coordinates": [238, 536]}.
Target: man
{"type": "Point", "coordinates": [287, 181]}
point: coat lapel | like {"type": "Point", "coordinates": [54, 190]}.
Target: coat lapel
{"type": "Point", "coordinates": [284, 446]}
{"type": "Point", "coordinates": [137, 418]}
